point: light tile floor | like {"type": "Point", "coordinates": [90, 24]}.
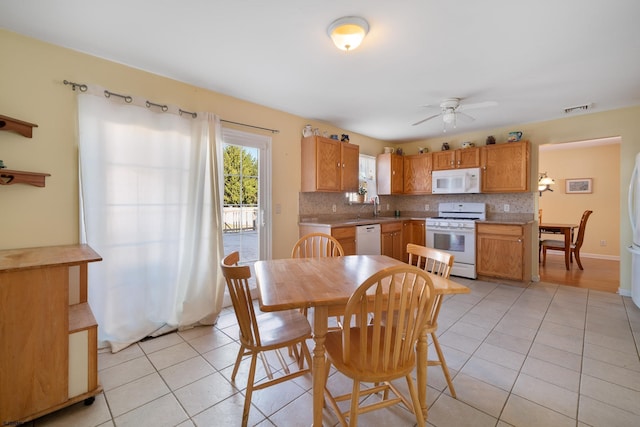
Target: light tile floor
{"type": "Point", "coordinates": [546, 355]}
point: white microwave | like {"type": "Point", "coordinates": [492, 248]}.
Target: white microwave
{"type": "Point", "coordinates": [455, 181]}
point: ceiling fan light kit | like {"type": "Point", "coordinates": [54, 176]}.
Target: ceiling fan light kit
{"type": "Point", "coordinates": [348, 32]}
{"type": "Point", "coordinates": [451, 110]}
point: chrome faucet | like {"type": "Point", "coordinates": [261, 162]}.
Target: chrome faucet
{"type": "Point", "coordinates": [376, 203]}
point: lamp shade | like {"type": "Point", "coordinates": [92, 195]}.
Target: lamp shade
{"type": "Point", "coordinates": [347, 33]}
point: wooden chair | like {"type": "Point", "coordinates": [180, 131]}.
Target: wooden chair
{"type": "Point", "coordinates": [376, 353]}
{"type": "Point", "coordinates": [439, 263]}
{"type": "Point", "coordinates": [262, 332]}
{"type": "Point", "coordinates": [558, 245]}
{"type": "Point", "coordinates": [317, 245]}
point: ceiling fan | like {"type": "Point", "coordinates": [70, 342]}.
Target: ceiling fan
{"type": "Point", "coordinates": [451, 109]}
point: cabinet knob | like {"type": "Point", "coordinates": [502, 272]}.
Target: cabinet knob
{"type": "Point", "coordinates": [338, 164]}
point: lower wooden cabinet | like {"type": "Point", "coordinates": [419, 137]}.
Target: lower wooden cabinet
{"type": "Point", "coordinates": [413, 231]}
{"type": "Point", "coordinates": [345, 235]}
{"type": "Point", "coordinates": [48, 335]}
{"type": "Point", "coordinates": [504, 251]}
{"type": "Point", "coordinates": [391, 240]}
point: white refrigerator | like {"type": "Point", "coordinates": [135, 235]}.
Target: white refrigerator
{"type": "Point", "coordinates": [634, 218]}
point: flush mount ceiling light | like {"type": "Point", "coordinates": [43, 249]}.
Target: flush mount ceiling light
{"type": "Point", "coordinates": [347, 33]}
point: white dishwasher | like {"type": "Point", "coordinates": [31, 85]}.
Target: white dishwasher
{"type": "Point", "coordinates": [368, 239]}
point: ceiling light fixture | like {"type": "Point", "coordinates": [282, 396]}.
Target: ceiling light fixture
{"type": "Point", "coordinates": [544, 182]}
{"type": "Point", "coordinates": [347, 33]}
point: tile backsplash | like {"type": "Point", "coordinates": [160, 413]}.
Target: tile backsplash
{"type": "Point", "coordinates": [520, 205]}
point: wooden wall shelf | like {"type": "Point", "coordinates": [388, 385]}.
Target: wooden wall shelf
{"type": "Point", "coordinates": [8, 177]}
{"type": "Point", "coordinates": [23, 128]}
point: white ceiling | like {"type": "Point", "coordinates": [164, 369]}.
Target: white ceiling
{"type": "Point", "coordinates": [533, 58]}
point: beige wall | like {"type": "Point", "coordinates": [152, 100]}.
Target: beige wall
{"type": "Point", "coordinates": [32, 90]}
{"type": "Point", "coordinates": [601, 163]}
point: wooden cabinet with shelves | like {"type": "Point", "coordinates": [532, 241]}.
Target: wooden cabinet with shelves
{"type": "Point", "coordinates": [505, 168]}
{"type": "Point", "coordinates": [329, 165]}
{"type": "Point", "coordinates": [389, 174]}
{"type": "Point", "coordinates": [417, 174]}
{"type": "Point", "coordinates": [48, 335]}
{"type": "Point", "coordinates": [391, 240]}
{"type": "Point", "coordinates": [504, 251]}
{"type": "Point", "coordinates": [457, 159]}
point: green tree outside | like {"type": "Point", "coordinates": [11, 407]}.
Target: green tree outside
{"type": "Point", "coordinates": [240, 176]}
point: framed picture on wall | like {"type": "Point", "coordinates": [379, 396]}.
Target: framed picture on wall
{"type": "Point", "coordinates": [579, 186]}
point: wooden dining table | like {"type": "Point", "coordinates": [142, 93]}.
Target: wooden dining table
{"type": "Point", "coordinates": [567, 231]}
{"type": "Point", "coordinates": [326, 285]}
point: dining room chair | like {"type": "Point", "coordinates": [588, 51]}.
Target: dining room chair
{"type": "Point", "coordinates": [317, 245]}
{"type": "Point", "coordinates": [440, 263]}
{"type": "Point", "coordinates": [574, 248]}
{"type": "Point", "coordinates": [375, 352]}
{"type": "Point", "coordinates": [262, 332]}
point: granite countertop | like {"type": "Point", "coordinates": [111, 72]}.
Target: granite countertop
{"type": "Point", "coordinates": [342, 222]}
{"type": "Point", "coordinates": [345, 221]}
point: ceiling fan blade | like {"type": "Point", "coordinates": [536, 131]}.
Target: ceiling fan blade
{"type": "Point", "coordinates": [464, 117]}
{"type": "Point", "coordinates": [477, 105]}
{"type": "Point", "coordinates": [428, 118]}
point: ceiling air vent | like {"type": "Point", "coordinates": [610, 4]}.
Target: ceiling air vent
{"type": "Point", "coordinates": [578, 108]}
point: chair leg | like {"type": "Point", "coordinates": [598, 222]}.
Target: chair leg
{"type": "Point", "coordinates": [355, 399]}
{"type": "Point", "coordinates": [417, 410]}
{"type": "Point", "coordinates": [443, 364]}
{"type": "Point", "coordinates": [544, 256]}
{"type": "Point", "coordinates": [249, 390]}
{"type": "Point", "coordinates": [577, 254]}
{"type": "Point", "coordinates": [238, 360]}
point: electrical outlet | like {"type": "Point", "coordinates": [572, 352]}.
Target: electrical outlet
{"type": "Point", "coordinates": [333, 208]}
{"type": "Point", "coordinates": [426, 207]}
{"type": "Point", "coordinates": [387, 206]}
{"type": "Point", "coordinates": [278, 208]}
{"type": "Point", "coordinates": [506, 208]}
{"type": "Point", "coordinates": [603, 243]}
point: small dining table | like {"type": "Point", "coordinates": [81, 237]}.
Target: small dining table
{"type": "Point", "coordinates": [326, 285]}
{"type": "Point", "coordinates": [567, 231]}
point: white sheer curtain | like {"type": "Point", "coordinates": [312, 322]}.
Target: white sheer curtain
{"type": "Point", "coordinates": [149, 205]}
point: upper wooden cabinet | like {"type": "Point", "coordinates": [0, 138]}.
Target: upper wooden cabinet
{"type": "Point", "coordinates": [456, 159]}
{"type": "Point", "coordinates": [505, 168]}
{"type": "Point", "coordinates": [417, 174]}
{"type": "Point", "coordinates": [329, 165]}
{"type": "Point", "coordinates": [389, 174]}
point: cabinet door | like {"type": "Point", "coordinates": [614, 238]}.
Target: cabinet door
{"type": "Point", "coordinates": [391, 240]}
{"type": "Point", "coordinates": [468, 157]}
{"type": "Point", "coordinates": [413, 231]}
{"type": "Point", "coordinates": [505, 167]}
{"type": "Point", "coordinates": [328, 164]}
{"type": "Point", "coordinates": [501, 251]}
{"type": "Point", "coordinates": [443, 160]}
{"type": "Point", "coordinates": [417, 174]}
{"type": "Point", "coordinates": [347, 238]}
{"type": "Point", "coordinates": [389, 174]}
{"type": "Point", "coordinates": [350, 157]}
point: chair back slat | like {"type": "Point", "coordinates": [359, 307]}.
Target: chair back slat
{"type": "Point", "coordinates": [404, 291]}
{"type": "Point", "coordinates": [317, 245]}
{"type": "Point", "coordinates": [237, 278]}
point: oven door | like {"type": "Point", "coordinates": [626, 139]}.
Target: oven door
{"type": "Point", "coordinates": [459, 242]}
